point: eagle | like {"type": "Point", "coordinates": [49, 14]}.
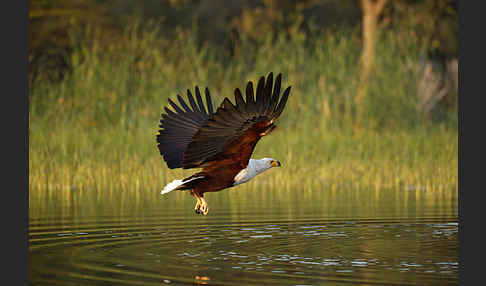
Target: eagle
{"type": "Point", "coordinates": [220, 142]}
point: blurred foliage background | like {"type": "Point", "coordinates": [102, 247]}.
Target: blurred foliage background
{"type": "Point", "coordinates": [366, 76]}
{"type": "Point", "coordinates": [229, 30]}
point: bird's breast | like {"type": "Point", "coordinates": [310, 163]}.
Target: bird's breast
{"type": "Point", "coordinates": [242, 177]}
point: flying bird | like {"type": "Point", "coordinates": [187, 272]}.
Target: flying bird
{"type": "Point", "coordinates": [220, 142]}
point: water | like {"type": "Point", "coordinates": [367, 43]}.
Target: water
{"type": "Point", "coordinates": [252, 237]}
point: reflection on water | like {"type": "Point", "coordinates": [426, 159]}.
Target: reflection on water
{"type": "Point", "coordinates": [394, 237]}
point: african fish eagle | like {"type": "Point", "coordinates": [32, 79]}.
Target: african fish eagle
{"type": "Point", "coordinates": [220, 142]}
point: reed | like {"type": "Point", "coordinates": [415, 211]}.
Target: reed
{"type": "Point", "coordinates": [96, 128]}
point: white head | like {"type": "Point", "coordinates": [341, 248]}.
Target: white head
{"type": "Point", "coordinates": [254, 168]}
{"type": "Point", "coordinates": [263, 164]}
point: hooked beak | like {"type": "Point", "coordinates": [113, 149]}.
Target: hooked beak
{"type": "Point", "coordinates": [276, 164]}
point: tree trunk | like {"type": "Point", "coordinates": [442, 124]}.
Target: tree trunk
{"type": "Point", "coordinates": [371, 10]}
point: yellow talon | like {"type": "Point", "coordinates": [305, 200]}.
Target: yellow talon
{"type": "Point", "coordinates": [204, 207]}
{"type": "Point", "coordinates": [197, 208]}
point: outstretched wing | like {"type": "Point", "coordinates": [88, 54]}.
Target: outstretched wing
{"type": "Point", "coordinates": [180, 126]}
{"type": "Point", "coordinates": [232, 132]}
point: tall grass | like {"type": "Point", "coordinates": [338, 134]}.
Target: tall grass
{"type": "Point", "coordinates": [96, 128]}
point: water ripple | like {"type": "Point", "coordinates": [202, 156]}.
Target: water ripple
{"type": "Point", "coordinates": [147, 252]}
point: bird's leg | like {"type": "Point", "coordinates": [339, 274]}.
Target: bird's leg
{"type": "Point", "coordinates": [204, 207]}
{"type": "Point", "coordinates": [198, 203]}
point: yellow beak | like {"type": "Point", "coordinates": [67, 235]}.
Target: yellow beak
{"type": "Point", "coordinates": [276, 164]}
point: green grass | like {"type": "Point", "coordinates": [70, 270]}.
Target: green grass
{"type": "Point", "coordinates": [95, 129]}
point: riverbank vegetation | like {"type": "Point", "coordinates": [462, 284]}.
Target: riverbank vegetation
{"type": "Point", "coordinates": [94, 126]}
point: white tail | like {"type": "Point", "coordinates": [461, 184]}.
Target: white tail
{"type": "Point", "coordinates": [172, 186]}
{"type": "Point", "coordinates": [176, 183]}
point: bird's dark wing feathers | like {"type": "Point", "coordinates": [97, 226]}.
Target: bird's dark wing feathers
{"type": "Point", "coordinates": [179, 126]}
{"type": "Point", "coordinates": [232, 124]}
